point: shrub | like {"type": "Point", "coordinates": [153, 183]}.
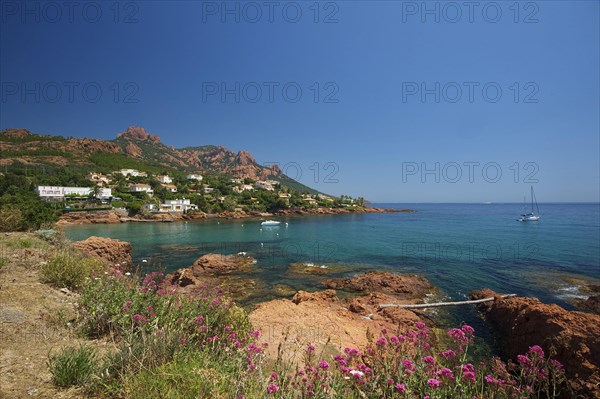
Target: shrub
{"type": "Point", "coordinates": [72, 366]}
{"type": "Point", "coordinates": [154, 325]}
{"type": "Point", "coordinates": [25, 243]}
{"type": "Point", "coordinates": [11, 218]}
{"type": "Point", "coordinates": [69, 270]}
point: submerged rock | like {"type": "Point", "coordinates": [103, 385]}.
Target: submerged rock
{"type": "Point", "coordinates": [573, 336]}
{"type": "Point", "coordinates": [592, 304]}
{"type": "Point", "coordinates": [283, 290]}
{"type": "Point", "coordinates": [117, 253]}
{"type": "Point", "coordinates": [308, 268]}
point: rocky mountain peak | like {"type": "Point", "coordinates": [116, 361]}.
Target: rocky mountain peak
{"type": "Point", "coordinates": [16, 133]}
{"type": "Point", "coordinates": [140, 134]}
{"type": "Point", "coordinates": [245, 158]}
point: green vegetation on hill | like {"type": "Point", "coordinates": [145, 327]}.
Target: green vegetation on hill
{"type": "Point", "coordinates": [109, 162]}
{"type": "Point", "coordinates": [20, 207]}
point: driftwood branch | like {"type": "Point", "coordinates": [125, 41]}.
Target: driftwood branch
{"type": "Point", "coordinates": [434, 305]}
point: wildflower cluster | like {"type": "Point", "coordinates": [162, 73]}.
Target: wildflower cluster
{"type": "Point", "coordinates": [208, 342]}
{"type": "Point", "coordinates": [409, 366]}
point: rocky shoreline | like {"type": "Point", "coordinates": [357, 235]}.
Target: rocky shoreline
{"type": "Point", "coordinates": [113, 216]}
{"type": "Point", "coordinates": [346, 312]}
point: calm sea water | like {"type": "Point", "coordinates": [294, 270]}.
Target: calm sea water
{"type": "Point", "coordinates": [458, 247]}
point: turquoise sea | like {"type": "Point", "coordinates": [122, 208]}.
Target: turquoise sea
{"type": "Point", "coordinates": [458, 247]}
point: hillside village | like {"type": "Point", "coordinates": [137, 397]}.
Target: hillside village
{"type": "Point", "coordinates": [143, 192]}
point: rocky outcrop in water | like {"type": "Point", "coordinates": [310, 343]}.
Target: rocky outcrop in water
{"type": "Point", "coordinates": [210, 265]}
{"type": "Point", "coordinates": [401, 286]}
{"type": "Point", "coordinates": [221, 264]}
{"type": "Point", "coordinates": [115, 252]}
{"type": "Point", "coordinates": [573, 336]}
{"type": "Point", "coordinates": [592, 304]}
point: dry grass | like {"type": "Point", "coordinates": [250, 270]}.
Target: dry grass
{"type": "Point", "coordinates": [34, 320]}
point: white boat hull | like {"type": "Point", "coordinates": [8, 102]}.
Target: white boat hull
{"type": "Point", "coordinates": [270, 223]}
{"type": "Point", "coordinates": [533, 218]}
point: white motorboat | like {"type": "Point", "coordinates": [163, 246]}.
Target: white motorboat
{"type": "Point", "coordinates": [270, 223]}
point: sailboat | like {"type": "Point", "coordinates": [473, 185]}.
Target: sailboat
{"type": "Point", "coordinates": [531, 216]}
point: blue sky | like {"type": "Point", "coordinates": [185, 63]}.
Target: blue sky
{"type": "Point", "coordinates": [379, 81]}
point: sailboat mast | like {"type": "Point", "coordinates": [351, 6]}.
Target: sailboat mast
{"type": "Point", "coordinates": [531, 199]}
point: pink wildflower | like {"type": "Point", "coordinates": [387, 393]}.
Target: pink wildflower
{"type": "Point", "coordinates": [429, 359]}
{"type": "Point", "coordinates": [469, 376]}
{"type": "Point", "coordinates": [449, 354]}
{"type": "Point", "coordinates": [323, 365]}
{"type": "Point", "coordinates": [432, 382]}
{"type": "Point", "coordinates": [272, 388]}
{"type": "Point", "coordinates": [537, 350]}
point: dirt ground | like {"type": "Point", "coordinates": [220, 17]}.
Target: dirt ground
{"type": "Point", "coordinates": [35, 320]}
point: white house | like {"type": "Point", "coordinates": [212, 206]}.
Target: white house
{"type": "Point", "coordinates": [324, 197]}
{"type": "Point", "coordinates": [59, 192]}
{"type": "Point", "coordinates": [208, 190]}
{"type": "Point", "coordinates": [98, 178]}
{"type": "Point", "coordinates": [243, 187]}
{"type": "Point", "coordinates": [266, 184]}
{"type": "Point", "coordinates": [169, 187]}
{"type": "Point", "coordinates": [178, 205]}
{"type": "Point", "coordinates": [141, 188]}
{"type": "Point", "coordinates": [236, 181]}
{"type": "Point", "coordinates": [131, 172]}
{"type": "Point", "coordinates": [164, 179]}
{"type": "Point", "coordinates": [193, 176]}
{"type": "Point", "coordinates": [309, 199]}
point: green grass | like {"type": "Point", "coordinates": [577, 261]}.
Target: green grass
{"type": "Point", "coordinates": [72, 366]}
{"type": "Point", "coordinates": [194, 375]}
{"type": "Point", "coordinates": [3, 262]}
{"type": "Point", "coordinates": [69, 270]}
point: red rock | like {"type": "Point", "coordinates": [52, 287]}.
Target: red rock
{"type": "Point", "coordinates": [116, 253]}
{"type": "Point", "coordinates": [303, 296]}
{"type": "Point", "coordinates": [574, 336]}
{"type": "Point", "coordinates": [133, 150]}
{"type": "Point", "coordinates": [90, 217]}
{"type": "Point", "coordinates": [357, 307]}
{"type": "Point", "coordinates": [220, 264]}
{"type": "Point", "coordinates": [402, 286]}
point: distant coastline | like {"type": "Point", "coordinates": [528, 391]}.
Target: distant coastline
{"type": "Point", "coordinates": [111, 216]}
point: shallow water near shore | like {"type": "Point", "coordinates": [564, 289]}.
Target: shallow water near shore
{"type": "Point", "coordinates": [458, 247]}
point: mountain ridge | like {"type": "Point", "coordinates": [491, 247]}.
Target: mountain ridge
{"type": "Point", "coordinates": [24, 146]}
